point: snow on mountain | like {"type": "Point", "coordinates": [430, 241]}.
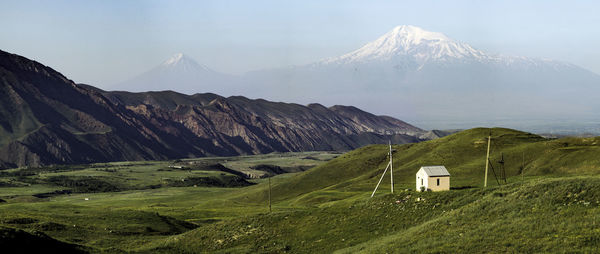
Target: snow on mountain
{"type": "Point", "coordinates": [409, 41]}
{"type": "Point", "coordinates": [174, 59]}
{"type": "Point", "coordinates": [178, 73]}
{"type": "Point", "coordinates": [414, 46]}
{"type": "Point", "coordinates": [182, 62]}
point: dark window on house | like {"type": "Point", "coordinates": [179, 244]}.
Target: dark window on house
{"type": "Point", "coordinates": [438, 182]}
{"type": "Point", "coordinates": [421, 181]}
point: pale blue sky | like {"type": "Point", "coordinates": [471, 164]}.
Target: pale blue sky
{"type": "Point", "coordinates": [104, 42]}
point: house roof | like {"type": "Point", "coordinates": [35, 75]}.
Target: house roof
{"type": "Point", "coordinates": [436, 171]}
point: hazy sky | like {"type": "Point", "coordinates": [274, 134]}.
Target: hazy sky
{"type": "Point", "coordinates": [104, 42]}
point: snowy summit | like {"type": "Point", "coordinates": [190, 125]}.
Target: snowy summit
{"type": "Point", "coordinates": [410, 41]}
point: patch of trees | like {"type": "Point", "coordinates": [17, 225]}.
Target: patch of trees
{"type": "Point", "coordinates": [84, 184]}
{"type": "Point", "coordinates": [210, 181]}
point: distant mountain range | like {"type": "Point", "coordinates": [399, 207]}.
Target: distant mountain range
{"type": "Point", "coordinates": [46, 118]}
{"type": "Point", "coordinates": [414, 74]}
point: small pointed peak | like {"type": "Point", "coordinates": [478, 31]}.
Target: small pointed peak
{"type": "Point", "coordinates": [181, 61]}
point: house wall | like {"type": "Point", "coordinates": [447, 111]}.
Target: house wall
{"type": "Point", "coordinates": [421, 175]}
{"type": "Point", "coordinates": [444, 183]}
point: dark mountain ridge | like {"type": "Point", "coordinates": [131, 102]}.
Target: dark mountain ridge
{"type": "Point", "coordinates": [45, 118]}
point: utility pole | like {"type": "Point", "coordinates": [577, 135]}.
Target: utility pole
{"type": "Point", "coordinates": [269, 194]}
{"type": "Point", "coordinates": [389, 165]}
{"type": "Point", "coordinates": [487, 160]}
{"type": "Point", "coordinates": [380, 179]}
{"type": "Point", "coordinates": [391, 168]}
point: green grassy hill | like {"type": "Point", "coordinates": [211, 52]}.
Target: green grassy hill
{"type": "Point", "coordinates": [549, 204]}
{"type": "Point", "coordinates": [328, 208]}
{"type": "Point", "coordinates": [544, 215]}
{"type": "Point", "coordinates": [462, 153]}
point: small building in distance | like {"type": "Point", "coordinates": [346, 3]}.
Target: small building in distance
{"type": "Point", "coordinates": [433, 178]}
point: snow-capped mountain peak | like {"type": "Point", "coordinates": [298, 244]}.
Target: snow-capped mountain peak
{"type": "Point", "coordinates": [412, 42]}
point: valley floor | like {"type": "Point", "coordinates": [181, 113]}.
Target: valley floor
{"type": "Point", "coordinates": [142, 206]}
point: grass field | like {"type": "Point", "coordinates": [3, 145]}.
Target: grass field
{"type": "Point", "coordinates": [549, 204]}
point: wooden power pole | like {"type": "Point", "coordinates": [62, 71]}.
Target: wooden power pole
{"type": "Point", "coordinates": [391, 168]}
{"type": "Point", "coordinates": [487, 160]}
{"type": "Point", "coordinates": [269, 194]}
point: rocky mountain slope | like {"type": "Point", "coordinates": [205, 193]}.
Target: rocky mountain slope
{"type": "Point", "coordinates": [46, 118]}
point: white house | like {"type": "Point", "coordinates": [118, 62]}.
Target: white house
{"type": "Point", "coordinates": [433, 178]}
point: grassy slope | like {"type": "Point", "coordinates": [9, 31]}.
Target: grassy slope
{"type": "Point", "coordinates": [462, 153]}
{"type": "Point", "coordinates": [546, 215]}
{"type": "Point", "coordinates": [538, 216]}
{"type": "Point", "coordinates": [347, 216]}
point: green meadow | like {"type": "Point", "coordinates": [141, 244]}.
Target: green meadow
{"type": "Point", "coordinates": [549, 202]}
